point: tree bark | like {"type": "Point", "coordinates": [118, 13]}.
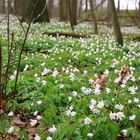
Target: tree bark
{"type": "Point", "coordinates": [73, 12]}
{"type": "Point", "coordinates": [66, 34]}
{"type": "Point", "coordinates": [50, 7]}
{"type": "Point", "coordinates": [64, 10]}
{"type": "Point", "coordinates": [1, 84]}
{"type": "Point", "coordinates": [3, 6]}
{"type": "Point", "coordinates": [94, 20]}
{"type": "Point", "coordinates": [86, 5]}
{"type": "Point", "coordinates": [116, 26]}
{"type": "Point", "coordinates": [40, 13]}
{"type": "Point", "coordinates": [0, 64]}
{"type": "Point", "coordinates": [80, 8]}
{"type": "Point", "coordinates": [108, 14]}
{"type": "Point", "coordinates": [118, 7]}
{"type": "Point", "coordinates": [139, 6]}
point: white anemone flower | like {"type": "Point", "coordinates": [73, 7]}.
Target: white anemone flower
{"type": "Point", "coordinates": [37, 137]}
{"type": "Point", "coordinates": [90, 135]}
{"type": "Point", "coordinates": [33, 122]}
{"type": "Point", "coordinates": [10, 114]}
{"type": "Point", "coordinates": [131, 118]}
{"type": "Point", "coordinates": [52, 129]}
{"type": "Point", "coordinates": [10, 130]}
{"type": "Point", "coordinates": [124, 132]}
{"type": "Point", "coordinates": [100, 104]}
{"type": "Point", "coordinates": [119, 106]}
{"type": "Point", "coordinates": [87, 121]}
{"type": "Point", "coordinates": [49, 138]}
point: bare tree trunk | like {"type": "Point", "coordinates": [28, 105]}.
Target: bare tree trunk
{"type": "Point", "coordinates": [50, 7]}
{"type": "Point", "coordinates": [108, 14]}
{"type": "Point", "coordinates": [0, 64]}
{"type": "Point", "coordinates": [94, 20]}
{"type": "Point", "coordinates": [118, 7]}
{"type": "Point", "coordinates": [64, 10]}
{"type": "Point", "coordinates": [40, 13]}
{"type": "Point", "coordinates": [19, 8]}
{"type": "Point", "coordinates": [116, 26]}
{"type": "Point", "coordinates": [3, 6]}
{"type": "Point", "coordinates": [73, 12]}
{"type": "Point", "coordinates": [71, 24]}
{"type": "Point", "coordinates": [139, 6]}
{"type": "Point", "coordinates": [86, 5]}
{"type": "Point", "coordinates": [16, 7]}
{"type": "Point", "coordinates": [80, 8]}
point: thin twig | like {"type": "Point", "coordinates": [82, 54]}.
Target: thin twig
{"type": "Point", "coordinates": [41, 12]}
{"type": "Point", "coordinates": [3, 19]}
{"type": "Point", "coordinates": [20, 23]}
{"type": "Point", "coordinates": [8, 24]}
{"type": "Point", "coordinates": [101, 3]}
{"type": "Point", "coordinates": [12, 62]}
{"type": "Point", "coordinates": [20, 55]}
{"type": "Point", "coordinates": [7, 68]}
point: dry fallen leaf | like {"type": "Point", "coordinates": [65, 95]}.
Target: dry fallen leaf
{"type": "Point", "coordinates": [115, 91]}
{"type": "Point", "coordinates": [1, 111]}
{"type": "Point", "coordinates": [100, 80]}
{"type": "Point", "coordinates": [123, 72]}
{"type": "Point", "coordinates": [16, 121]}
{"type": "Point", "coordinates": [3, 104]}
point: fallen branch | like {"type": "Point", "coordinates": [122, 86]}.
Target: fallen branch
{"type": "Point", "coordinates": [134, 37]}
{"type": "Point", "coordinates": [67, 34]}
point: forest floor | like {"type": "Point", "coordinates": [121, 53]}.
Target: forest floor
{"type": "Point", "coordinates": [71, 88]}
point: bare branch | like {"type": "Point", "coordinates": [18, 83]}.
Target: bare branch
{"type": "Point", "coordinates": [3, 19]}
{"type": "Point", "coordinates": [41, 12]}
{"type": "Point", "coordinates": [20, 55]}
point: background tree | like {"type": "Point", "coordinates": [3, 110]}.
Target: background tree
{"type": "Point", "coordinates": [139, 6]}
{"type": "Point", "coordinates": [118, 6]}
{"type": "Point", "coordinates": [19, 7]}
{"type": "Point", "coordinates": [73, 12]}
{"type": "Point", "coordinates": [2, 6]}
{"type": "Point", "coordinates": [64, 10]}
{"type": "Point", "coordinates": [108, 14]}
{"type": "Point", "coordinates": [50, 7]}
{"type": "Point", "coordinates": [116, 26]}
{"type": "Point", "coordinates": [80, 8]}
{"type": "Point", "coordinates": [94, 20]}
{"type": "Point", "coordinates": [40, 12]}
{"type": "Point", "coordinates": [86, 5]}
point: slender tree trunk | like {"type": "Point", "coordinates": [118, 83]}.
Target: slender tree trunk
{"type": "Point", "coordinates": [94, 20]}
{"type": "Point", "coordinates": [70, 15]}
{"type": "Point", "coordinates": [116, 26]}
{"type": "Point", "coordinates": [73, 12]}
{"type": "Point", "coordinates": [16, 7]}
{"type": "Point", "coordinates": [1, 84]}
{"type": "Point", "coordinates": [95, 3]}
{"type": "Point", "coordinates": [3, 6]}
{"type": "Point", "coordinates": [108, 14]}
{"type": "Point", "coordinates": [86, 5]}
{"type": "Point", "coordinates": [0, 64]}
{"type": "Point", "coordinates": [80, 8]}
{"type": "Point", "coordinates": [139, 6]}
{"type": "Point", "coordinates": [118, 7]}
